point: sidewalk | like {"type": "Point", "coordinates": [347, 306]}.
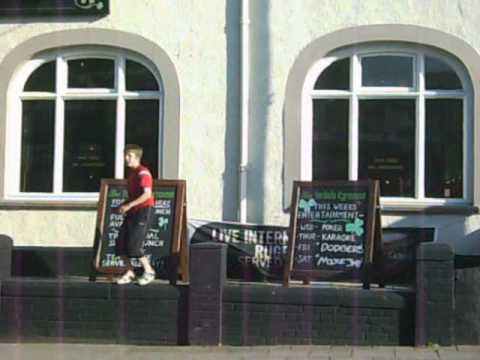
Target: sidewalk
{"type": "Point", "coordinates": [117, 352]}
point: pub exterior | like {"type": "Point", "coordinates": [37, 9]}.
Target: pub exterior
{"type": "Point", "coordinates": [240, 99]}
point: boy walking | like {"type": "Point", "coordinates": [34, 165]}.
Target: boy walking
{"type": "Point", "coordinates": [138, 210]}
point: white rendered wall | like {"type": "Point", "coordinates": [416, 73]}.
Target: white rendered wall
{"type": "Point", "coordinates": [203, 40]}
{"type": "Point", "coordinates": [284, 28]}
{"type": "Point", "coordinates": [194, 34]}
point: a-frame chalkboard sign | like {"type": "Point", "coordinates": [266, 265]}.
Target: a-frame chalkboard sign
{"type": "Point", "coordinates": [166, 241]}
{"type": "Point", "coordinates": [335, 233]}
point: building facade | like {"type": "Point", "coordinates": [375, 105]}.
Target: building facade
{"type": "Point", "coordinates": [241, 98]}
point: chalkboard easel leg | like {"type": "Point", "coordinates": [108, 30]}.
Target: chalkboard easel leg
{"type": "Point", "coordinates": [380, 271]}
{"type": "Point", "coordinates": [381, 279]}
{"type": "Point", "coordinates": [93, 273]}
{"type": "Point", "coordinates": [172, 268]}
{"type": "Point", "coordinates": [366, 276]}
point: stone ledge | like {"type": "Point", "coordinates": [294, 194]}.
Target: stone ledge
{"type": "Point", "coordinates": [82, 288]}
{"type": "Point", "coordinates": [348, 297]}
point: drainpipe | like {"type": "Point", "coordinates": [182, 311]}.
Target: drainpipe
{"type": "Point", "coordinates": [245, 108]}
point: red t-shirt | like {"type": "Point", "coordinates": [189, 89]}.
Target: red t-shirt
{"type": "Point", "coordinates": [139, 179]}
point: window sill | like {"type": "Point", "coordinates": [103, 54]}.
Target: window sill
{"type": "Point", "coordinates": [421, 209]}
{"type": "Point", "coordinates": [47, 205]}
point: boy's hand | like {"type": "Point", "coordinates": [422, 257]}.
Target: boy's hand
{"type": "Point", "coordinates": [124, 208]}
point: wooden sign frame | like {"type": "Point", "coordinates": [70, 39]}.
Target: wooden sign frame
{"type": "Point", "coordinates": [373, 245]}
{"type": "Point", "coordinates": [179, 246]}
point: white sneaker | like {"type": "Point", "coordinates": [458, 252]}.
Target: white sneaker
{"type": "Point", "coordinates": [146, 278]}
{"type": "Point", "coordinates": [127, 278]}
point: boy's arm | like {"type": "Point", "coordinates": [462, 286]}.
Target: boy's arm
{"type": "Point", "coordinates": [147, 193]}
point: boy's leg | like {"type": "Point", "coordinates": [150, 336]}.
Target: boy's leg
{"type": "Point", "coordinates": [128, 276]}
{"type": "Point", "coordinates": [127, 262]}
{"type": "Point", "coordinates": [138, 232]}
{"type": "Point", "coordinates": [146, 264]}
{"type": "Point", "coordinates": [121, 251]}
{"type": "Point", "coordinates": [149, 273]}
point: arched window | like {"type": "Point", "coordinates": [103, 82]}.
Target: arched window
{"type": "Point", "coordinates": [78, 110]}
{"type": "Point", "coordinates": [399, 114]}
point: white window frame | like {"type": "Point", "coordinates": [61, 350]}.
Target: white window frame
{"type": "Point", "coordinates": [387, 89]}
{"type": "Point", "coordinates": [16, 96]}
{"type": "Point", "coordinates": [418, 92]}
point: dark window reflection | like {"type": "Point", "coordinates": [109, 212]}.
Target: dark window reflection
{"type": "Point", "coordinates": [330, 139]}
{"type": "Point", "coordinates": [444, 148]}
{"type": "Point", "coordinates": [89, 144]}
{"type": "Point", "coordinates": [142, 129]}
{"type": "Point", "coordinates": [38, 125]}
{"type": "Point", "coordinates": [387, 70]}
{"type": "Point", "coordinates": [91, 73]}
{"type": "Point", "coordinates": [42, 79]}
{"type": "Point", "coordinates": [139, 77]}
{"type": "Point", "coordinates": [440, 76]}
{"type": "Point", "coordinates": [387, 145]}
{"type": "Point", "coordinates": [335, 77]}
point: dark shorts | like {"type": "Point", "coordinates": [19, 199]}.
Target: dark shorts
{"type": "Point", "coordinates": [131, 236]}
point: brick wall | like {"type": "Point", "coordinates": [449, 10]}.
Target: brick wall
{"type": "Point", "coordinates": [62, 310]}
{"type": "Point", "coordinates": [213, 311]}
{"type": "Point", "coordinates": [271, 315]}
{"type": "Point", "coordinates": [50, 262]}
{"type": "Point", "coordinates": [6, 246]}
{"type": "Point", "coordinates": [435, 300]}
{"type": "Point", "coordinates": [259, 314]}
{"type": "Point", "coordinates": [467, 300]}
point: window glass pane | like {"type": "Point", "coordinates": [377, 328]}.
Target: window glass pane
{"type": "Point", "coordinates": [440, 76]}
{"type": "Point", "coordinates": [335, 77]}
{"type": "Point", "coordinates": [330, 139]}
{"type": "Point", "coordinates": [42, 79]}
{"type": "Point", "coordinates": [387, 145]}
{"type": "Point", "coordinates": [38, 124]}
{"type": "Point", "coordinates": [387, 70]}
{"type": "Point", "coordinates": [139, 77]}
{"type": "Point", "coordinates": [91, 73]}
{"type": "Point", "coordinates": [89, 144]}
{"type": "Point", "coordinates": [444, 148]}
{"type": "Point", "coordinates": [142, 129]}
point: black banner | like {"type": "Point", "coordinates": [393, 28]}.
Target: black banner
{"type": "Point", "coordinates": [257, 252]}
{"type": "Point", "coordinates": [54, 7]}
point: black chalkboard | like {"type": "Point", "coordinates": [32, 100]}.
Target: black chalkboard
{"type": "Point", "coordinates": [54, 7]}
{"type": "Point", "coordinates": [164, 243]}
{"type": "Point", "coordinates": [335, 231]}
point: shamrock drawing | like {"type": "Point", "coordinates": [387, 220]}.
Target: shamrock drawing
{"type": "Point", "coordinates": [162, 222]}
{"type": "Point", "coordinates": [355, 227]}
{"type": "Point", "coordinates": [307, 205]}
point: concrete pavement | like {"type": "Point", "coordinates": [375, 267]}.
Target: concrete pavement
{"type": "Point", "coordinates": [28, 351]}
